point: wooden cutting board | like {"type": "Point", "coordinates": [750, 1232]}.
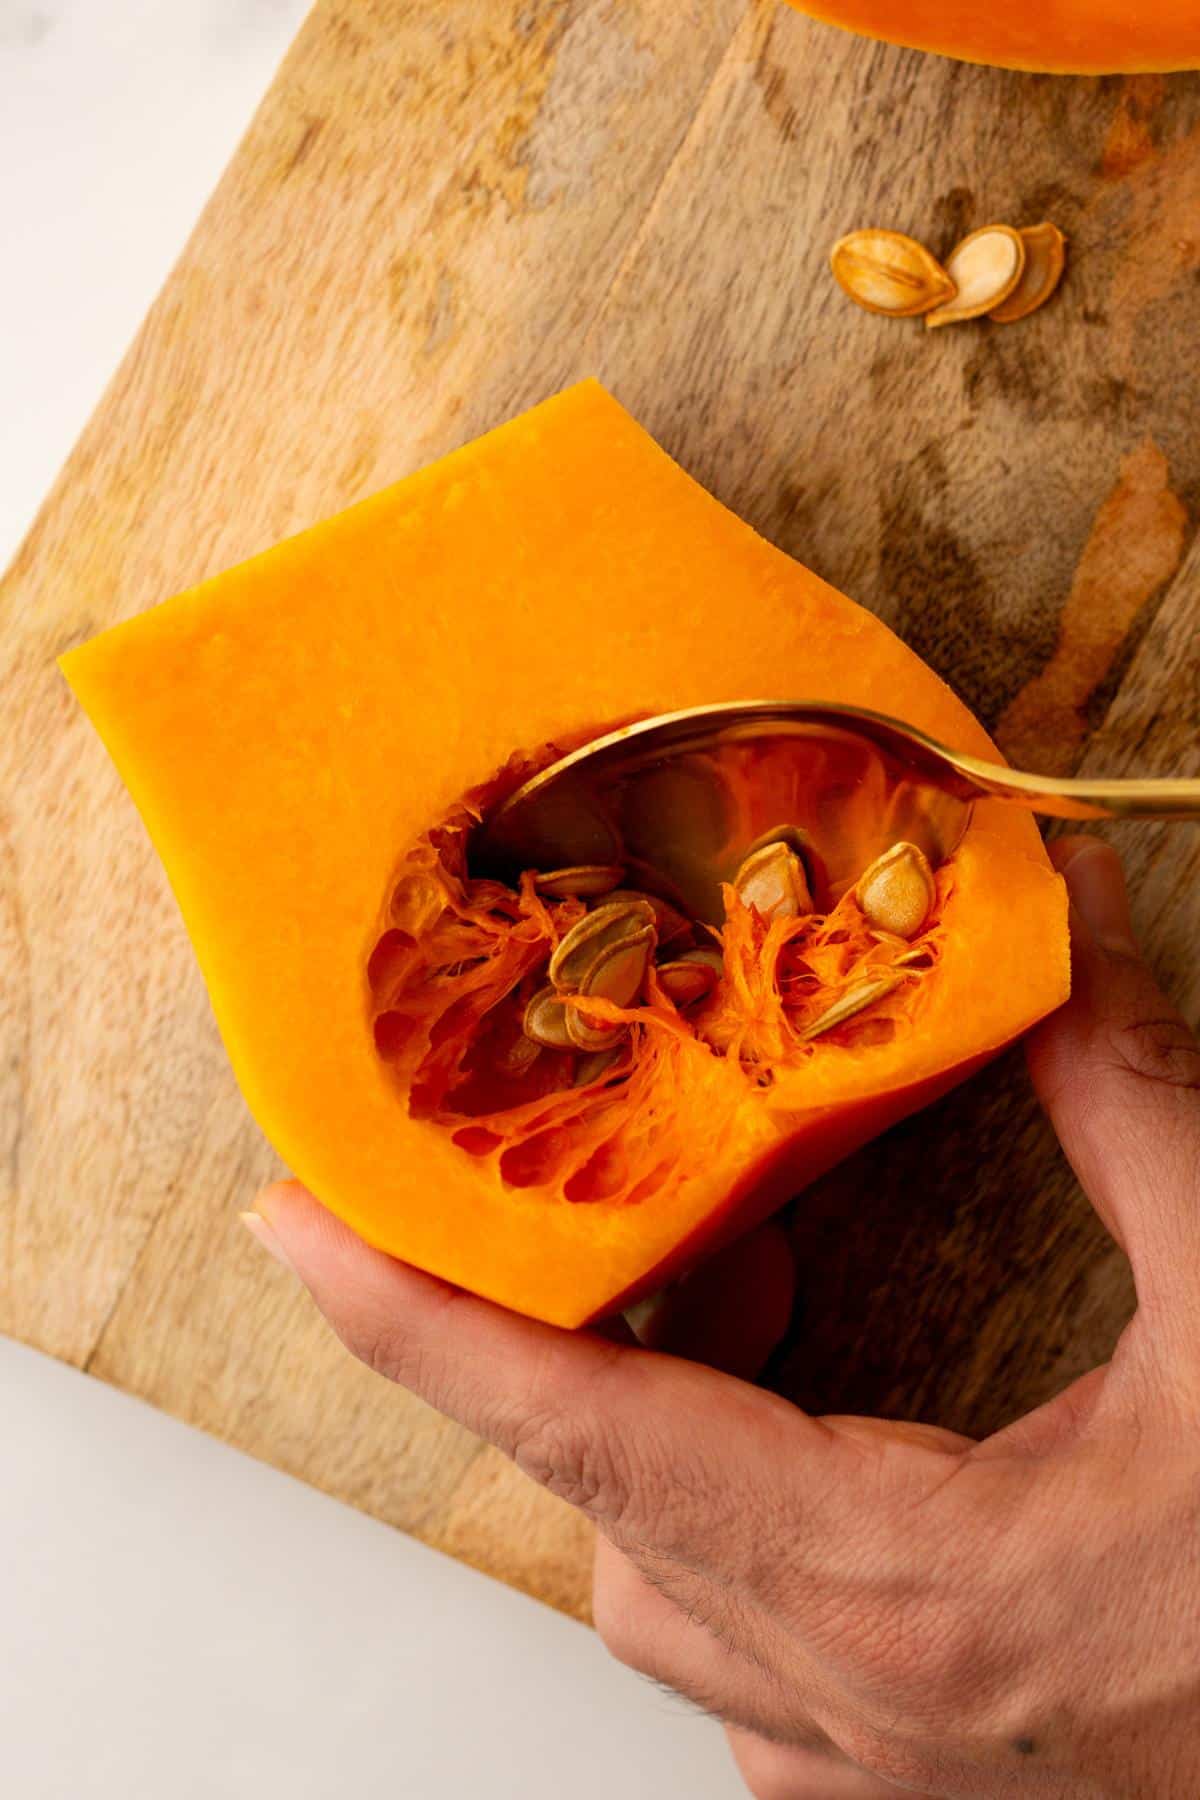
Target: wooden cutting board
{"type": "Point", "coordinates": [440, 215]}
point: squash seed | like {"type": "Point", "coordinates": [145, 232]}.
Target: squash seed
{"type": "Point", "coordinates": [889, 273]}
{"type": "Point", "coordinates": [707, 954]}
{"type": "Point", "coordinates": [593, 935]}
{"type": "Point", "coordinates": [897, 891]}
{"type": "Point", "coordinates": [985, 269]}
{"type": "Point", "coordinates": [586, 1036]}
{"type": "Point", "coordinates": [669, 922]}
{"type": "Point", "coordinates": [545, 1020]}
{"type": "Point", "coordinates": [595, 1065]}
{"type": "Point", "coordinates": [910, 958]}
{"type": "Point", "coordinates": [686, 981]}
{"type": "Point", "coordinates": [772, 881]}
{"type": "Point", "coordinates": [618, 972]}
{"type": "Point", "coordinates": [811, 861]}
{"type": "Point", "coordinates": [855, 1000]}
{"type": "Point", "coordinates": [1045, 260]}
{"type": "Point", "coordinates": [794, 836]}
{"type": "Point", "coordinates": [585, 881]}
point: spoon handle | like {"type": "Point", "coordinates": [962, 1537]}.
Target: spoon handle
{"type": "Point", "coordinates": [1086, 799]}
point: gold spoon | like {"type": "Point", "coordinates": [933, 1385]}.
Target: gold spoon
{"type": "Point", "coordinates": [681, 798]}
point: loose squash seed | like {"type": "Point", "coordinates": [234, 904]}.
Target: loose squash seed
{"type": "Point", "coordinates": [985, 269]}
{"type": "Point", "coordinates": [1004, 273]}
{"type": "Point", "coordinates": [897, 891]}
{"type": "Point", "coordinates": [887, 272]}
{"type": "Point", "coordinates": [1045, 260]}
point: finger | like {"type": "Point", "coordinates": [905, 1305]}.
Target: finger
{"type": "Point", "coordinates": [639, 1442]}
{"type": "Point", "coordinates": [680, 1630]}
{"type": "Point", "coordinates": [885, 1434]}
{"type": "Point", "coordinates": [783, 1772]}
{"type": "Point", "coordinates": [732, 1311]}
{"type": "Point", "coordinates": [1119, 1074]}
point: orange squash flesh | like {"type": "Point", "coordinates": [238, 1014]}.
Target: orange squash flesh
{"type": "Point", "coordinates": [292, 728]}
{"type": "Point", "coordinates": [1083, 37]}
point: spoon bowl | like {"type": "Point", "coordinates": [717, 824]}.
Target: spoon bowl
{"type": "Point", "coordinates": [680, 799]}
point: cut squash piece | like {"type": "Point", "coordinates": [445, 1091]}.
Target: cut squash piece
{"type": "Point", "coordinates": [310, 740]}
{"type": "Point", "coordinates": [1077, 37]}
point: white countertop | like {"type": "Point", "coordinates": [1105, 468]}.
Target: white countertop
{"type": "Point", "coordinates": [177, 1620]}
{"type": "Point", "coordinates": [181, 1623]}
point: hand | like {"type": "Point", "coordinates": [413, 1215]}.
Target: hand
{"type": "Point", "coordinates": [867, 1603]}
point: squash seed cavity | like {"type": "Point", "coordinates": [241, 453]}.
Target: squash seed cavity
{"type": "Point", "coordinates": [527, 1019]}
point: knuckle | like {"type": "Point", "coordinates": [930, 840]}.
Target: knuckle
{"type": "Point", "coordinates": [928, 1678]}
{"type": "Point", "coordinates": [891, 1648]}
{"type": "Point", "coordinates": [563, 1456]}
{"type": "Point", "coordinates": [384, 1349]}
{"type": "Point", "coordinates": [912, 1658]}
{"type": "Point", "coordinates": [1160, 1050]}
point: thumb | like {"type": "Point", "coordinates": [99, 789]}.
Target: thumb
{"type": "Point", "coordinates": [1118, 1072]}
{"type": "Point", "coordinates": [639, 1442]}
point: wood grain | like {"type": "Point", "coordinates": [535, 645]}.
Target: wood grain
{"type": "Point", "coordinates": [438, 216]}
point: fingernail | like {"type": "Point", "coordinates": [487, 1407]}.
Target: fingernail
{"type": "Point", "coordinates": [1097, 886]}
{"type": "Point", "coordinates": [261, 1232]}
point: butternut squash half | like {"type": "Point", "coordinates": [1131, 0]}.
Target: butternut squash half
{"type": "Point", "coordinates": [310, 738]}
{"type": "Point", "coordinates": [1081, 37]}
